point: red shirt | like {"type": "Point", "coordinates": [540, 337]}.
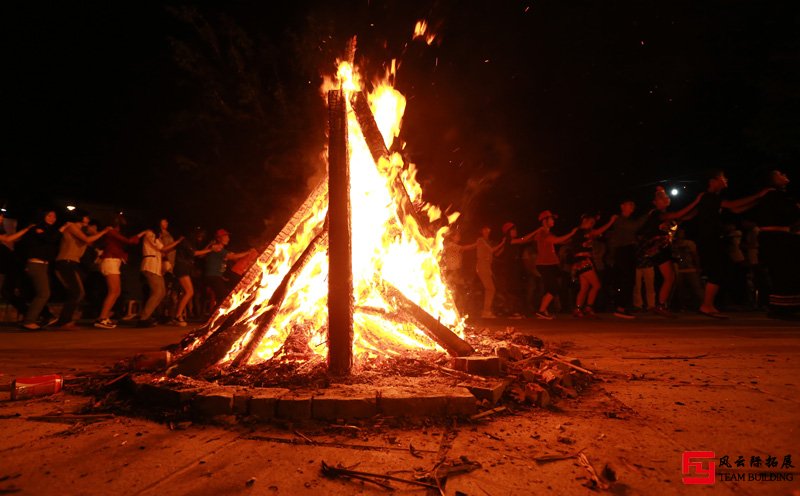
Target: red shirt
{"type": "Point", "coordinates": [115, 245]}
{"type": "Point", "coordinates": [547, 250]}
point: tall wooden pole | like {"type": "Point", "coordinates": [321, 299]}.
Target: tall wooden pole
{"type": "Point", "coordinates": [340, 254]}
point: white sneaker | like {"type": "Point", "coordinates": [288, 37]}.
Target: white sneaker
{"type": "Point", "coordinates": [104, 324]}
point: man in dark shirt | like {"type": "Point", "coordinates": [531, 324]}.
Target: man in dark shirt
{"type": "Point", "coordinates": [710, 241]}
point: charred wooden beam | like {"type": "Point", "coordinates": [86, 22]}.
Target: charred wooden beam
{"type": "Point", "coordinates": [214, 349]}
{"type": "Point", "coordinates": [340, 250]}
{"type": "Point", "coordinates": [277, 298]}
{"type": "Point", "coordinates": [443, 336]}
{"type": "Point", "coordinates": [252, 276]}
{"type": "Point", "coordinates": [377, 147]}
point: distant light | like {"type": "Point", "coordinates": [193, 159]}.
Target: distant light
{"type": "Point", "coordinates": [674, 191]}
{"type": "Point", "coordinates": [3, 210]}
{"type": "Point", "coordinates": [70, 207]}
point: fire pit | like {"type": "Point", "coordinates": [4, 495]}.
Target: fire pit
{"type": "Point", "coordinates": [346, 312]}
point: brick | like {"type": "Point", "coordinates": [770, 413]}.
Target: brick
{"type": "Point", "coordinates": [399, 402]}
{"type": "Point", "coordinates": [213, 402]}
{"type": "Point", "coordinates": [264, 402]}
{"type": "Point", "coordinates": [241, 402]}
{"type": "Point", "coordinates": [461, 402]}
{"type": "Point", "coordinates": [490, 391]}
{"type": "Point", "coordinates": [344, 403]}
{"type": "Point", "coordinates": [165, 396]}
{"type": "Point", "coordinates": [294, 406]}
{"type": "Point", "coordinates": [485, 366]}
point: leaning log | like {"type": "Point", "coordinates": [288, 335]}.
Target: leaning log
{"type": "Point", "coordinates": [276, 301]}
{"type": "Point", "coordinates": [377, 147]}
{"type": "Point", "coordinates": [340, 252]}
{"type": "Point", "coordinates": [252, 277]}
{"type": "Point", "coordinates": [440, 333]}
{"type": "Point", "coordinates": [214, 349]}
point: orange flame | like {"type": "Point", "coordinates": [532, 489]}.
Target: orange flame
{"type": "Point", "coordinates": [385, 248]}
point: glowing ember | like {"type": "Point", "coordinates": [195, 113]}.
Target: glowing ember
{"type": "Point", "coordinates": [421, 31]}
{"type": "Point", "coordinates": [386, 249]}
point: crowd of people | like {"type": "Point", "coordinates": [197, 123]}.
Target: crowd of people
{"type": "Point", "coordinates": [632, 262]}
{"type": "Point", "coordinates": [629, 263]}
{"type": "Point", "coordinates": [146, 278]}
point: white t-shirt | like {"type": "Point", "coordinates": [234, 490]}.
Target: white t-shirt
{"type": "Point", "coordinates": [484, 261]}
{"type": "Point", "coordinates": [151, 253]}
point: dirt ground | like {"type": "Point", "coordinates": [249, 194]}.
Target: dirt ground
{"type": "Point", "coordinates": [664, 387]}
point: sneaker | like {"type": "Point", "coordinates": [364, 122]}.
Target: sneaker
{"type": "Point", "coordinates": [66, 326]}
{"type": "Point", "coordinates": [49, 321]}
{"type": "Point", "coordinates": [545, 315]}
{"type": "Point", "coordinates": [589, 313]}
{"type": "Point", "coordinates": [32, 326]}
{"type": "Point", "coordinates": [105, 324]}
{"type": "Point", "coordinates": [662, 311]}
{"type": "Point", "coordinates": [577, 313]}
{"type": "Point", "coordinates": [177, 322]}
{"type": "Point", "coordinates": [623, 314]}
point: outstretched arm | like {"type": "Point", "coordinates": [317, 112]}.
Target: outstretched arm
{"type": "Point", "coordinates": [746, 203]}
{"type": "Point", "coordinates": [526, 238]}
{"type": "Point", "coordinates": [10, 238]}
{"type": "Point", "coordinates": [600, 230]}
{"type": "Point", "coordinates": [496, 249]}
{"type": "Point", "coordinates": [172, 245]}
{"type": "Point", "coordinates": [557, 240]}
{"type": "Point", "coordinates": [75, 231]}
{"type": "Point", "coordinates": [684, 212]}
{"type": "Point", "coordinates": [237, 256]}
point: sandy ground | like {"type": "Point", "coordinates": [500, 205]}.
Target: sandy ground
{"type": "Point", "coordinates": [665, 387]}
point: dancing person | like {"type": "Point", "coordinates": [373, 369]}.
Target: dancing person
{"type": "Point", "coordinates": [11, 270]}
{"type": "Point", "coordinates": [111, 259]}
{"type": "Point", "coordinates": [67, 267]}
{"type": "Point", "coordinates": [622, 258]}
{"type": "Point", "coordinates": [216, 262]}
{"type": "Point", "coordinates": [43, 242]}
{"type": "Point", "coordinates": [547, 262]}
{"type": "Point", "coordinates": [185, 255]}
{"type": "Point", "coordinates": [152, 251]}
{"type": "Point", "coordinates": [778, 217]}
{"type": "Point", "coordinates": [509, 266]}
{"type": "Point", "coordinates": [709, 239]}
{"type": "Point", "coordinates": [655, 245]}
{"type": "Point", "coordinates": [583, 266]}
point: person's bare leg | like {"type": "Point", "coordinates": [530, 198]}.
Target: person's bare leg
{"type": "Point", "coordinates": [114, 289]}
{"type": "Point", "coordinates": [709, 297]}
{"type": "Point", "coordinates": [668, 273]}
{"type": "Point", "coordinates": [546, 299]}
{"type": "Point", "coordinates": [594, 287]}
{"type": "Point", "coordinates": [188, 292]}
{"type": "Point", "coordinates": [581, 299]}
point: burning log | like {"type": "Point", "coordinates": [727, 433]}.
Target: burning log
{"type": "Point", "coordinates": [254, 273]}
{"type": "Point", "coordinates": [219, 344]}
{"type": "Point", "coordinates": [377, 147]}
{"type": "Point", "coordinates": [340, 251]}
{"type": "Point", "coordinates": [277, 299]}
{"type": "Point", "coordinates": [443, 336]}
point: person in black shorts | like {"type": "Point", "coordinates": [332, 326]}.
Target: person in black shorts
{"type": "Point", "coordinates": [710, 236]}
{"type": "Point", "coordinates": [547, 262]}
{"type": "Point", "coordinates": [583, 268]}
{"type": "Point", "coordinates": [184, 265]}
{"type": "Point", "coordinates": [655, 244]}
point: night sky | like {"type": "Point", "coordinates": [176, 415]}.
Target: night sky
{"type": "Point", "coordinates": [209, 113]}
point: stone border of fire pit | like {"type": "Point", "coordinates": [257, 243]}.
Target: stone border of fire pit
{"type": "Point", "coordinates": [329, 404]}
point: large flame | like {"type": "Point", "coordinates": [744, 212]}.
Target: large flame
{"type": "Point", "coordinates": [386, 248]}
